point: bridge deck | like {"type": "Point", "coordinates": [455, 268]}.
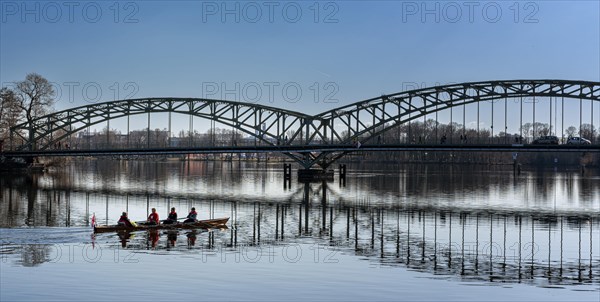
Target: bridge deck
{"type": "Point", "coordinates": [312, 148]}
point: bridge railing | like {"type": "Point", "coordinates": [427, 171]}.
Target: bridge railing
{"type": "Point", "coordinates": [85, 143]}
{"type": "Point", "coordinates": [100, 142]}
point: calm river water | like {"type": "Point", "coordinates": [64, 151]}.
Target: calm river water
{"type": "Point", "coordinates": [389, 232]}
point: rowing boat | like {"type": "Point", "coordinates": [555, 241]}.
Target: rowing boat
{"type": "Point", "coordinates": [200, 224]}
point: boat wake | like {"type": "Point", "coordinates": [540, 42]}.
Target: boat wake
{"type": "Point", "coordinates": [49, 235]}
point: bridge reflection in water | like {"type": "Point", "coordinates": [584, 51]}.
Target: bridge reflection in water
{"type": "Point", "coordinates": [483, 245]}
{"type": "Point", "coordinates": [490, 245]}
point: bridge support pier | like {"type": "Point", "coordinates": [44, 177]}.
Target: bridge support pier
{"type": "Point", "coordinates": [287, 175]}
{"type": "Point", "coordinates": [342, 175]}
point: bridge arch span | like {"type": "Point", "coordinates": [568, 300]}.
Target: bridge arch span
{"type": "Point", "coordinates": [267, 124]}
{"type": "Point", "coordinates": [370, 118]}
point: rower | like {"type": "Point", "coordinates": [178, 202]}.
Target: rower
{"type": "Point", "coordinates": [124, 220]}
{"type": "Point", "coordinates": [153, 218]}
{"type": "Point", "coordinates": [191, 217]}
{"type": "Point", "coordinates": [172, 218]}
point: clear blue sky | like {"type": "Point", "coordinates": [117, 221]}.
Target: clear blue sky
{"type": "Point", "coordinates": [352, 50]}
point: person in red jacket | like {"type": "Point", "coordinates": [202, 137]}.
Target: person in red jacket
{"type": "Point", "coordinates": [124, 220]}
{"type": "Point", "coordinates": [153, 218]}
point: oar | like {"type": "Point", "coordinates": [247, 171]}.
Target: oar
{"type": "Point", "coordinates": [163, 221]}
{"type": "Point", "coordinates": [144, 221]}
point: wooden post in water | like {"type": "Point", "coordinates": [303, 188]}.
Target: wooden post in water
{"type": "Point", "coordinates": [106, 209]}
{"type": "Point", "coordinates": [300, 220]}
{"type": "Point", "coordinates": [282, 220]}
{"type": "Point", "coordinates": [87, 209]}
{"type": "Point", "coordinates": [287, 175]}
{"type": "Point", "coordinates": [277, 222]}
{"type": "Point", "coordinates": [305, 200]}
{"type": "Point", "coordinates": [324, 204]}
{"type": "Point", "coordinates": [342, 169]}
{"type": "Point", "coordinates": [516, 165]}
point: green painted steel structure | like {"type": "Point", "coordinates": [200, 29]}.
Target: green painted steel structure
{"type": "Point", "coordinates": [360, 122]}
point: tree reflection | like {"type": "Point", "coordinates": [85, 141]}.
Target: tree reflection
{"type": "Point", "coordinates": [35, 254]}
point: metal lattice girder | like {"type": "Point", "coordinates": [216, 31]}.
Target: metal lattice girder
{"type": "Point", "coordinates": [270, 125]}
{"type": "Point", "coordinates": [368, 117]}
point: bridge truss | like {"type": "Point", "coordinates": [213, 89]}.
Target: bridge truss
{"type": "Point", "coordinates": [357, 123]}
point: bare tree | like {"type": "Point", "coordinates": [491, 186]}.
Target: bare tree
{"type": "Point", "coordinates": [541, 129]}
{"type": "Point", "coordinates": [36, 96]}
{"type": "Point", "coordinates": [527, 129]}
{"type": "Point", "coordinates": [571, 131]}
{"type": "Point", "coordinates": [10, 112]}
{"type": "Point", "coordinates": [588, 131]}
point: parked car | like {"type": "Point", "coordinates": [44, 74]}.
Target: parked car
{"type": "Point", "coordinates": [546, 140]}
{"type": "Point", "coordinates": [578, 141]}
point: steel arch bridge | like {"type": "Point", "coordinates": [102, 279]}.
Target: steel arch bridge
{"type": "Point", "coordinates": [358, 122]}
